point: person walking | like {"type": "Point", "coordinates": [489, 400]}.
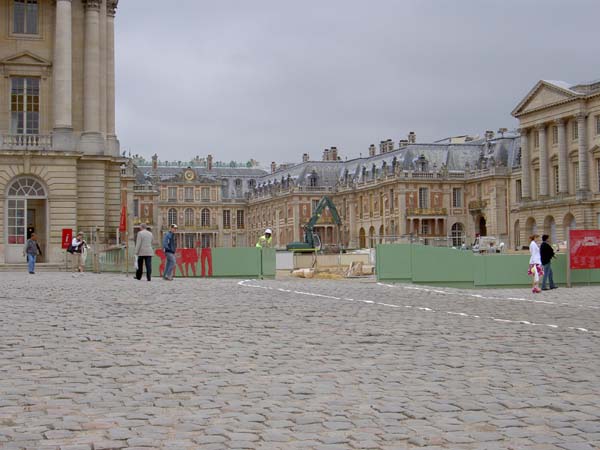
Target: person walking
{"type": "Point", "coordinates": [79, 247]}
{"type": "Point", "coordinates": [535, 264]}
{"type": "Point", "coordinates": [265, 241]}
{"type": "Point", "coordinates": [546, 255]}
{"type": "Point", "coordinates": [170, 247]}
{"type": "Point", "coordinates": [144, 252]}
{"type": "Point", "coordinates": [32, 250]}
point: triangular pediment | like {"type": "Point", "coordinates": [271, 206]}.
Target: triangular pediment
{"type": "Point", "coordinates": [544, 94]}
{"type": "Point", "coordinates": [25, 59]}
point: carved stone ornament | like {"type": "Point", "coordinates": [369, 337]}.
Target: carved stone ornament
{"type": "Point", "coordinates": [111, 7]}
{"type": "Point", "coordinates": [92, 4]}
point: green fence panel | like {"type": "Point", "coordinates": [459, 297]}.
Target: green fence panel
{"type": "Point", "coordinates": [268, 259]}
{"type": "Point", "coordinates": [441, 265]}
{"type": "Point", "coordinates": [394, 262]}
{"type": "Point", "coordinates": [500, 270]}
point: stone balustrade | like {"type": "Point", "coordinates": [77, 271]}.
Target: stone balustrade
{"type": "Point", "coordinates": [26, 142]}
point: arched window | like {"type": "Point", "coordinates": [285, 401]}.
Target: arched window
{"type": "Point", "coordinates": [26, 187]}
{"type": "Point", "coordinates": [189, 217]}
{"type": "Point", "coordinates": [172, 216]}
{"type": "Point", "coordinates": [205, 217]}
{"type": "Point", "coordinates": [457, 234]}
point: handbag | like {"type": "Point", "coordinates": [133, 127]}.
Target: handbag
{"type": "Point", "coordinates": [70, 249]}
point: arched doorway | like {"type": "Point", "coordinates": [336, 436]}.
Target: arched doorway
{"type": "Point", "coordinates": [569, 223]}
{"type": "Point", "coordinates": [530, 228]}
{"type": "Point", "coordinates": [381, 234]}
{"type": "Point", "coordinates": [362, 238]}
{"type": "Point", "coordinates": [550, 228]}
{"type": "Point", "coordinates": [26, 204]}
{"type": "Point", "coordinates": [481, 225]}
{"type": "Point", "coordinates": [517, 235]}
{"type": "Point", "coordinates": [371, 237]}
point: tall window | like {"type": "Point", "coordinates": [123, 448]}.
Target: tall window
{"type": "Point", "coordinates": [554, 135]}
{"type": "Point", "coordinates": [136, 207]}
{"type": "Point", "coordinates": [25, 105]}
{"type": "Point", "coordinates": [205, 217]}
{"type": "Point", "coordinates": [457, 234]}
{"type": "Point", "coordinates": [424, 227]}
{"type": "Point", "coordinates": [188, 217]}
{"type": "Point", "coordinates": [574, 130]}
{"type": "Point", "coordinates": [598, 173]}
{"type": "Point", "coordinates": [518, 191]}
{"type": "Point", "coordinates": [25, 16]}
{"type": "Point", "coordinates": [556, 182]}
{"type": "Point", "coordinates": [457, 198]}
{"type": "Point", "coordinates": [597, 125]}
{"type": "Point", "coordinates": [360, 207]}
{"type": "Point", "coordinates": [189, 194]}
{"type": "Point", "coordinates": [536, 139]}
{"type": "Point", "coordinates": [423, 198]}
{"type": "Point", "coordinates": [172, 195]}
{"type": "Point", "coordinates": [381, 204]}
{"type": "Point", "coordinates": [313, 205]}
{"type": "Point", "coordinates": [535, 188]}
{"type": "Point", "coordinates": [576, 171]}
{"type": "Point", "coordinates": [226, 218]}
{"type": "Point", "coordinates": [205, 194]}
{"type": "Point", "coordinates": [16, 221]}
{"type": "Point", "coordinates": [172, 216]}
{"type": "Point", "coordinates": [391, 201]}
{"type": "Point", "coordinates": [240, 218]}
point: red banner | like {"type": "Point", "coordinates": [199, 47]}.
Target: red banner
{"type": "Point", "coordinates": [67, 237]}
{"type": "Point", "coordinates": [123, 221]}
{"type": "Point", "coordinates": [584, 249]}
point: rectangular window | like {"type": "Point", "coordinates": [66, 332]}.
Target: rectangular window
{"type": "Point", "coordinates": [381, 204]}
{"type": "Point", "coordinates": [226, 218]}
{"type": "Point", "coordinates": [16, 221]}
{"type": "Point", "coordinates": [536, 139]}
{"type": "Point", "coordinates": [360, 207]}
{"type": "Point", "coordinates": [598, 173]}
{"type": "Point", "coordinates": [598, 125]}
{"type": "Point", "coordinates": [240, 218]}
{"type": "Point", "coordinates": [392, 201]}
{"type": "Point", "coordinates": [554, 135]}
{"type": "Point", "coordinates": [423, 198]}
{"type": "Point", "coordinates": [25, 105]}
{"type": "Point", "coordinates": [518, 191]}
{"type": "Point", "coordinates": [189, 194]}
{"type": "Point", "coordinates": [136, 208]}
{"type": "Point", "coordinates": [313, 205]}
{"type": "Point", "coordinates": [457, 198]}
{"type": "Point", "coordinates": [371, 206]}
{"type": "Point", "coordinates": [425, 227]}
{"type": "Point", "coordinates": [556, 179]}
{"type": "Point", "coordinates": [574, 130]}
{"type": "Point", "coordinates": [25, 16]}
{"type": "Point", "coordinates": [576, 177]}
{"type": "Point", "coordinates": [536, 183]}
{"type": "Point", "coordinates": [205, 194]}
{"type": "Point", "coordinates": [172, 194]}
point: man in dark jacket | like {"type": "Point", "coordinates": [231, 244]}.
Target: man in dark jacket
{"type": "Point", "coordinates": [170, 247]}
{"type": "Point", "coordinates": [546, 254]}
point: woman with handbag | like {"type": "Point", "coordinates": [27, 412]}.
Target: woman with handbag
{"type": "Point", "coordinates": [79, 251]}
{"type": "Point", "coordinates": [535, 264]}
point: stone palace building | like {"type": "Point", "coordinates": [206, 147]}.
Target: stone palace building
{"type": "Point", "coordinates": [59, 154]}
{"type": "Point", "coordinates": [543, 179]}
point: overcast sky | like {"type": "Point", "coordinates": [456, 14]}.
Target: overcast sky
{"type": "Point", "coordinates": [272, 79]}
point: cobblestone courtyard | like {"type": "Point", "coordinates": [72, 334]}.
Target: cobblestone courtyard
{"type": "Point", "coordinates": [98, 362]}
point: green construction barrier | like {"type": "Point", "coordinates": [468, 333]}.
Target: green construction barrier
{"type": "Point", "coordinates": [450, 267]}
{"type": "Point", "coordinates": [238, 262]}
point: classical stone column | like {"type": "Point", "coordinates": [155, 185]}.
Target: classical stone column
{"type": "Point", "coordinates": [584, 184]}
{"type": "Point", "coordinates": [103, 66]}
{"type": "Point", "coordinates": [113, 143]}
{"type": "Point", "coordinates": [543, 188]}
{"type": "Point", "coordinates": [62, 77]}
{"type": "Point", "coordinates": [91, 139]}
{"type": "Point", "coordinates": [525, 165]}
{"type": "Point", "coordinates": [563, 158]}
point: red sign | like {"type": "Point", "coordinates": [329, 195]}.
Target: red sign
{"type": "Point", "coordinates": [123, 221]}
{"type": "Point", "coordinates": [67, 237]}
{"type": "Point", "coordinates": [584, 249]}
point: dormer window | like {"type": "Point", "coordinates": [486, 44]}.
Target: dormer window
{"type": "Point", "coordinates": [25, 16]}
{"type": "Point", "coordinates": [312, 179]}
{"type": "Point", "coordinates": [422, 164]}
{"type": "Point", "coordinates": [251, 184]}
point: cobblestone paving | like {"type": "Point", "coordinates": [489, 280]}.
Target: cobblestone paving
{"type": "Point", "coordinates": [100, 362]}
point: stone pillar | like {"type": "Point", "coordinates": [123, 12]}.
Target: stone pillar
{"type": "Point", "coordinates": [525, 165]}
{"type": "Point", "coordinates": [63, 77]}
{"type": "Point", "coordinates": [113, 143]}
{"type": "Point", "coordinates": [543, 188]}
{"type": "Point", "coordinates": [584, 184]}
{"type": "Point", "coordinates": [563, 158]}
{"type": "Point", "coordinates": [103, 68]}
{"type": "Point", "coordinates": [91, 139]}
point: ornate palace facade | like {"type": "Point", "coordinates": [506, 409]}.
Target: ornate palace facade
{"type": "Point", "coordinates": [59, 154]}
{"type": "Point", "coordinates": [544, 179]}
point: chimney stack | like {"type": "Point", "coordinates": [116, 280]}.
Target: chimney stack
{"type": "Point", "coordinates": [390, 145]}
{"type": "Point", "coordinates": [326, 154]}
{"type": "Point", "coordinates": [412, 137]}
{"type": "Point", "coordinates": [273, 166]}
{"type": "Point", "coordinates": [489, 134]}
{"type": "Point", "coordinates": [403, 142]}
{"type": "Point", "coordinates": [382, 146]}
{"type": "Point", "coordinates": [155, 162]}
{"type": "Point", "coordinates": [209, 161]}
{"type": "Point", "coordinates": [305, 157]}
{"type": "Point", "coordinates": [372, 150]}
{"type": "Point", "coordinates": [334, 154]}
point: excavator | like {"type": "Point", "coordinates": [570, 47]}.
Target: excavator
{"type": "Point", "coordinates": [312, 241]}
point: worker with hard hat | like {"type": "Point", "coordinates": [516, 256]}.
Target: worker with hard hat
{"type": "Point", "coordinates": [265, 240]}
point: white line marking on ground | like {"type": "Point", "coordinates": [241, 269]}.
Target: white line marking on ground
{"type": "Point", "coordinates": [253, 284]}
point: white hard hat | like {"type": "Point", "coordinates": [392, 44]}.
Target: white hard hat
{"type": "Point", "coordinates": [268, 231]}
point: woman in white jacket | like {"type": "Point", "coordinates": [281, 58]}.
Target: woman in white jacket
{"type": "Point", "coordinates": [535, 264]}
